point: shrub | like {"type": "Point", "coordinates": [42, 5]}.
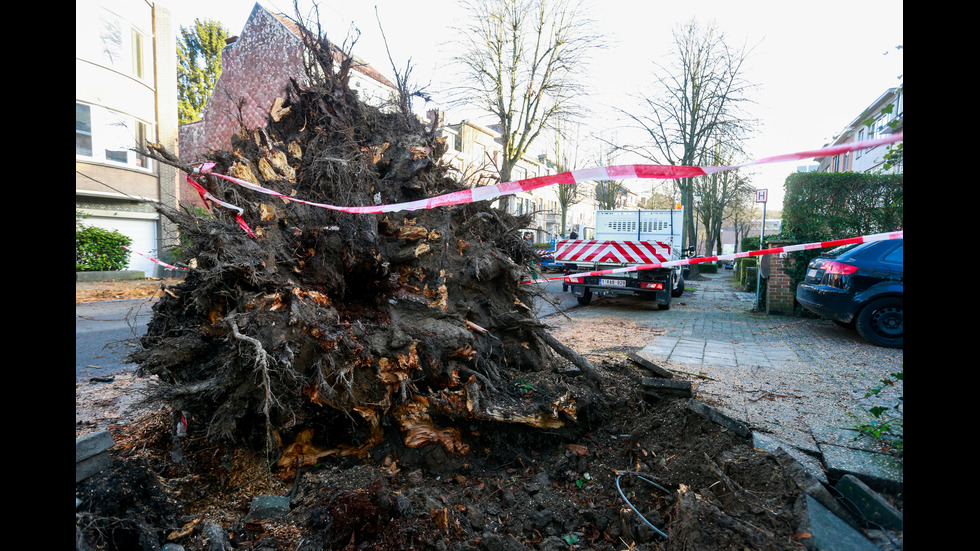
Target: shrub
{"type": "Point", "coordinates": [97, 249]}
{"type": "Point", "coordinates": [823, 206]}
{"type": "Point", "coordinates": [708, 268]}
{"type": "Point", "coordinates": [741, 268]}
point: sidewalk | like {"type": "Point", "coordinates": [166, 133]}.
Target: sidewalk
{"type": "Point", "coordinates": [799, 381]}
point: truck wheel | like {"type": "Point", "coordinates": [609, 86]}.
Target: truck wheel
{"type": "Point", "coordinates": [585, 299]}
{"type": "Point", "coordinates": [679, 290]}
{"type": "Point", "coordinates": [881, 322]}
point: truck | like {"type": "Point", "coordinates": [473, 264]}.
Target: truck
{"type": "Point", "coordinates": [623, 239]}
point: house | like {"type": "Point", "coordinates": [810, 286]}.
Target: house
{"type": "Point", "coordinates": [474, 152]}
{"type": "Point", "coordinates": [884, 116]}
{"type": "Point", "coordinates": [125, 96]}
{"type": "Point", "coordinates": [256, 68]}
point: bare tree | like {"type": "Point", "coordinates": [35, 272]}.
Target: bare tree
{"type": "Point", "coordinates": [610, 194]}
{"type": "Point", "coordinates": [568, 194]}
{"type": "Point", "coordinates": [521, 59]}
{"type": "Point", "coordinates": [721, 193]}
{"type": "Point", "coordinates": [697, 105]}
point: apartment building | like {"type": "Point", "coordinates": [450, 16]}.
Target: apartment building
{"type": "Point", "coordinates": [883, 116]}
{"type": "Point", "coordinates": [125, 96]}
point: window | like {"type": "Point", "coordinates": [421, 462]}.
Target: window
{"type": "Point", "coordinates": [138, 61]}
{"type": "Point", "coordinates": [83, 130]}
{"type": "Point", "coordinates": [103, 135]}
{"type": "Point", "coordinates": [895, 256]}
{"type": "Point", "coordinates": [106, 39]}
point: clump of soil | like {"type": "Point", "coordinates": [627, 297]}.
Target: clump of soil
{"type": "Point", "coordinates": [636, 474]}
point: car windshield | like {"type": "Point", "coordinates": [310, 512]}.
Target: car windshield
{"type": "Point", "coordinates": [837, 251]}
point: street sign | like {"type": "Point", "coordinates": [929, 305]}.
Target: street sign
{"type": "Point", "coordinates": [760, 195]}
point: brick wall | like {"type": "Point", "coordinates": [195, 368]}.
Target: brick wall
{"type": "Point", "coordinates": [780, 297]}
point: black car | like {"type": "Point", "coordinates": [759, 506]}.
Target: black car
{"type": "Point", "coordinates": [860, 286]}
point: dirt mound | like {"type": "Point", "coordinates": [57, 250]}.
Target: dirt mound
{"type": "Point", "coordinates": [636, 475]}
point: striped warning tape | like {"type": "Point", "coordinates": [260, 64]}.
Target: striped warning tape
{"type": "Point", "coordinates": [673, 263]}
{"type": "Point", "coordinates": [207, 198]}
{"type": "Point", "coordinates": [482, 193]}
{"type": "Point", "coordinates": [760, 252]}
{"type": "Point", "coordinates": [154, 260]}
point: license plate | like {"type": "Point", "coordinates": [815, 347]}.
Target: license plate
{"type": "Point", "coordinates": [613, 282]}
{"type": "Point", "coordinates": [812, 272]}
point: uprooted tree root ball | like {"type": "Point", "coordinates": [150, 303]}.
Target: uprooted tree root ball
{"type": "Point", "coordinates": [386, 373]}
{"type": "Point", "coordinates": [326, 328]}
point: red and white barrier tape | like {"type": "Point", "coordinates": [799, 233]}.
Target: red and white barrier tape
{"type": "Point", "coordinates": [760, 252]}
{"type": "Point", "coordinates": [154, 260]}
{"type": "Point", "coordinates": [483, 193]}
{"type": "Point", "coordinates": [205, 196]}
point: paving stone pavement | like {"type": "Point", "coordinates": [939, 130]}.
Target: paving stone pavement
{"type": "Point", "coordinates": [800, 381]}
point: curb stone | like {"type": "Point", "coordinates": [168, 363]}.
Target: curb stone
{"type": "Point", "coordinates": [830, 524]}
{"type": "Point", "coordinates": [871, 505]}
{"type": "Point", "coordinates": [831, 533]}
{"type": "Point", "coordinates": [92, 454]}
{"type": "Point", "coordinates": [809, 463]}
{"type": "Point", "coordinates": [266, 506]}
{"type": "Point", "coordinates": [718, 417]}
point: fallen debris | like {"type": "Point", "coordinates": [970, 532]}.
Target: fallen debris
{"type": "Point", "coordinates": [654, 369]}
{"type": "Point", "coordinates": [679, 388]}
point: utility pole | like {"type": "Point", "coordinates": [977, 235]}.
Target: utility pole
{"type": "Point", "coordinates": [761, 196]}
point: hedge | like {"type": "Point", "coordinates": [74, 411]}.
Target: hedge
{"type": "Point", "coordinates": [823, 206]}
{"type": "Point", "coordinates": [97, 249]}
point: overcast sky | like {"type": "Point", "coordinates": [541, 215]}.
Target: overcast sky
{"type": "Point", "coordinates": [816, 64]}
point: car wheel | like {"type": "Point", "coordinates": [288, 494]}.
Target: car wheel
{"type": "Point", "coordinates": [679, 290]}
{"type": "Point", "coordinates": [585, 299]}
{"type": "Point", "coordinates": [881, 322]}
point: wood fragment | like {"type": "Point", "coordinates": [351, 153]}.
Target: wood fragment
{"type": "Point", "coordinates": [655, 369]}
{"type": "Point", "coordinates": [580, 361]}
{"type": "Point", "coordinates": [680, 388]}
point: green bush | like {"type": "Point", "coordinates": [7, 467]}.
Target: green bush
{"type": "Point", "coordinates": [708, 268]}
{"type": "Point", "coordinates": [97, 249]}
{"type": "Point", "coordinates": [741, 268]}
{"type": "Point", "coordinates": [823, 206]}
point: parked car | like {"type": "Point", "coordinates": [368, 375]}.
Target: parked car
{"type": "Point", "coordinates": [859, 286]}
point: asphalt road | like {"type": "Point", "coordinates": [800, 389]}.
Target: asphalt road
{"type": "Point", "coordinates": [102, 330]}
{"type": "Point", "coordinates": [553, 300]}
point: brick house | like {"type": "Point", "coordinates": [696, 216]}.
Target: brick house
{"type": "Point", "coordinates": [256, 68]}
